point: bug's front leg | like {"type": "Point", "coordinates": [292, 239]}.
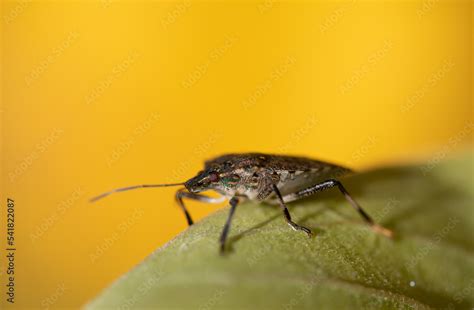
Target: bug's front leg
{"type": "Point", "coordinates": [287, 213]}
{"type": "Point", "coordinates": [225, 231]}
{"type": "Point", "coordinates": [183, 193]}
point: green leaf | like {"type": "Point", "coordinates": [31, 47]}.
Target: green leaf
{"type": "Point", "coordinates": [428, 264]}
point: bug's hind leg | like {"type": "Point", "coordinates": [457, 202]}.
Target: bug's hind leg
{"type": "Point", "coordinates": [335, 183]}
{"type": "Point", "coordinates": [182, 193]}
{"type": "Point", "coordinates": [287, 213]}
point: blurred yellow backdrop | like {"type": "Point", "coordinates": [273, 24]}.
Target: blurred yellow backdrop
{"type": "Point", "coordinates": [97, 95]}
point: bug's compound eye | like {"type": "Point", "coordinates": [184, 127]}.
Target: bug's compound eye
{"type": "Point", "coordinates": [213, 177]}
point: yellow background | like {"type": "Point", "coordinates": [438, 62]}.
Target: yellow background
{"type": "Point", "coordinates": [97, 95]}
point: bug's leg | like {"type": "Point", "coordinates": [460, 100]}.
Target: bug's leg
{"type": "Point", "coordinates": [225, 231]}
{"type": "Point", "coordinates": [287, 213]}
{"type": "Point", "coordinates": [335, 183]}
{"type": "Point", "coordinates": [182, 193]}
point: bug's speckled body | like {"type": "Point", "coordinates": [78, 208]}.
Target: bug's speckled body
{"type": "Point", "coordinates": [248, 175]}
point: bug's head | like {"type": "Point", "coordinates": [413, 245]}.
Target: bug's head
{"type": "Point", "coordinates": [212, 179]}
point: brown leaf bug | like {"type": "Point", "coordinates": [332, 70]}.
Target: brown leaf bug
{"type": "Point", "coordinates": [275, 179]}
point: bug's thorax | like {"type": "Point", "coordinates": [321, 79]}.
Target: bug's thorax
{"type": "Point", "coordinates": [228, 181]}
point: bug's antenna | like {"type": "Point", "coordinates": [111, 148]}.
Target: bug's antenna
{"type": "Point", "coordinates": [128, 188]}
